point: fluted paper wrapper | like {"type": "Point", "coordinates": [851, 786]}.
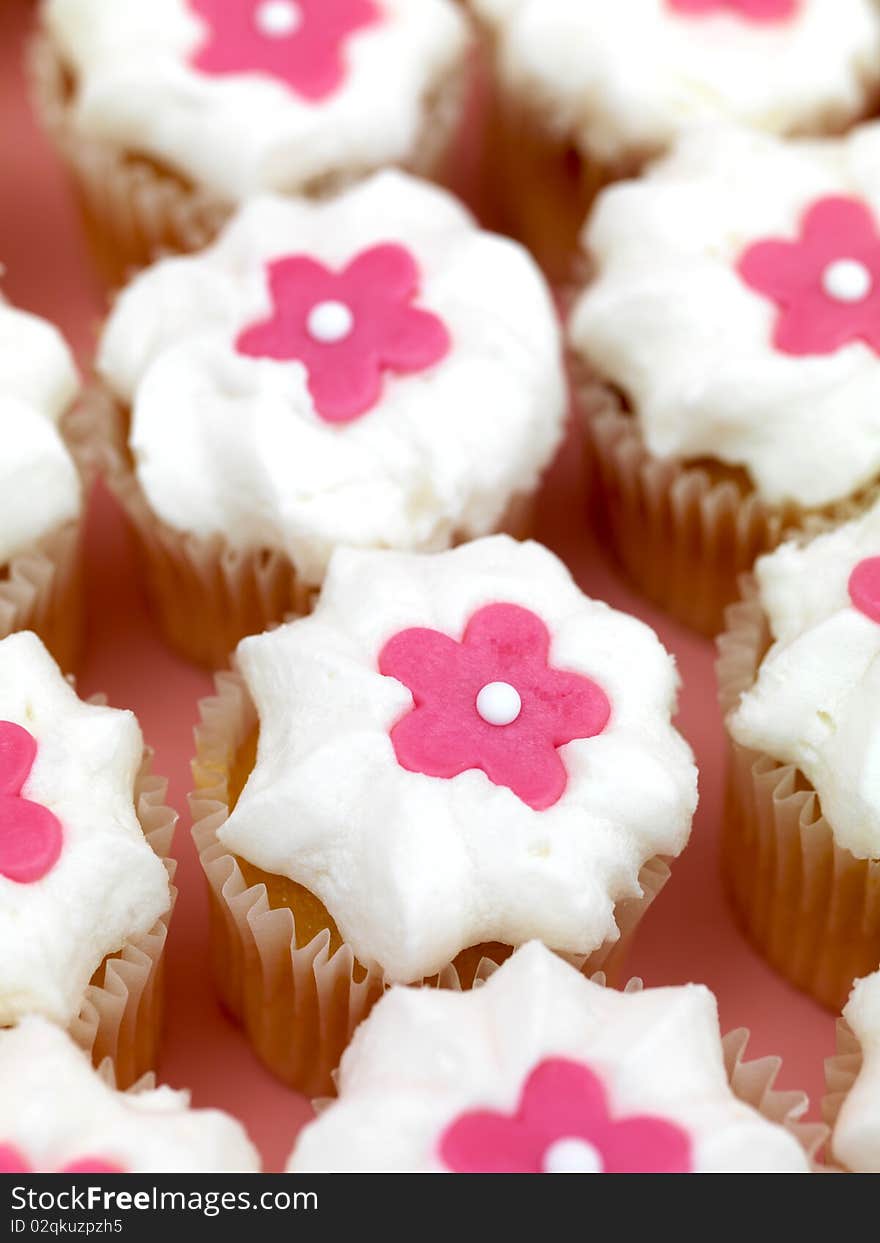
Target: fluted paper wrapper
{"type": "Point", "coordinates": [121, 1016]}
{"type": "Point", "coordinates": [206, 595]}
{"type": "Point", "coordinates": [753, 1083]}
{"type": "Point", "coordinates": [842, 1070]}
{"type": "Point", "coordinates": [135, 211]}
{"type": "Point", "coordinates": [683, 537]}
{"type": "Point", "coordinates": [539, 186]}
{"type": "Point", "coordinates": [41, 588]}
{"type": "Point", "coordinates": [300, 1004]}
{"type": "Point", "coordinates": [809, 906]}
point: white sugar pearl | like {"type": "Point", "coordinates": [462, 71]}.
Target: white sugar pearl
{"type": "Point", "coordinates": [498, 703]}
{"type": "Point", "coordinates": [572, 1156]}
{"type": "Point", "coordinates": [277, 18]}
{"type": "Point", "coordinates": [847, 280]}
{"type": "Point", "coordinates": [330, 322]}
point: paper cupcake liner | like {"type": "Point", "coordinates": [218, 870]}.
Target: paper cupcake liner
{"type": "Point", "coordinates": [681, 535]}
{"type": "Point", "coordinates": [206, 595]}
{"type": "Point", "coordinates": [300, 1004]}
{"type": "Point", "coordinates": [42, 587]}
{"type": "Point", "coordinates": [538, 184]}
{"type": "Point", "coordinates": [809, 906]}
{"type": "Point", "coordinates": [107, 1071]}
{"type": "Point", "coordinates": [754, 1084]}
{"type": "Point", "coordinates": [135, 210]}
{"type": "Point", "coordinates": [842, 1070]}
{"type": "Point", "coordinates": [121, 1015]}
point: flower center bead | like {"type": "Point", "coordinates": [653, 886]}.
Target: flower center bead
{"type": "Point", "coordinates": [847, 280]}
{"type": "Point", "coordinates": [276, 19]}
{"type": "Point", "coordinates": [498, 703]}
{"type": "Point", "coordinates": [572, 1156]}
{"type": "Point", "coordinates": [330, 322]}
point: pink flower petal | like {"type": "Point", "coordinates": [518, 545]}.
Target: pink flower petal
{"type": "Point", "coordinates": [12, 1162]}
{"type": "Point", "coordinates": [563, 1100]}
{"type": "Point", "coordinates": [777, 269]}
{"type": "Point", "coordinates": [752, 10]}
{"type": "Point", "coordinates": [386, 333]}
{"type": "Point", "coordinates": [423, 660]}
{"type": "Point", "coordinates": [509, 635]}
{"type": "Point", "coordinates": [296, 284]}
{"type": "Point", "coordinates": [523, 759]}
{"type": "Point", "coordinates": [414, 340]}
{"type": "Point", "coordinates": [814, 319]}
{"type": "Point", "coordinates": [388, 268]}
{"type": "Point", "coordinates": [837, 227]}
{"type": "Point", "coordinates": [864, 588]}
{"type": "Point", "coordinates": [345, 386]}
{"type": "Point", "coordinates": [429, 740]}
{"type": "Point", "coordinates": [446, 734]}
{"type": "Point", "coordinates": [645, 1145]}
{"type": "Point", "coordinates": [18, 750]}
{"type": "Point", "coordinates": [91, 1165]}
{"type": "Point", "coordinates": [813, 327]}
{"type": "Point", "coordinates": [310, 59]}
{"type": "Point", "coordinates": [579, 708]}
{"type": "Point", "coordinates": [490, 1143]}
{"type": "Point", "coordinates": [31, 838]}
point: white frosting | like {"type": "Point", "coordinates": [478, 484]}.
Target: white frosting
{"type": "Point", "coordinates": [55, 1110]}
{"type": "Point", "coordinates": [672, 323]}
{"type": "Point", "coordinates": [816, 701]}
{"type": "Point", "coordinates": [230, 444]}
{"type": "Point", "coordinates": [39, 485]}
{"type": "Point", "coordinates": [424, 1057]}
{"type": "Point", "coordinates": [856, 1139]}
{"type": "Point", "coordinates": [626, 79]}
{"type": "Point", "coordinates": [240, 134]}
{"type": "Point", "coordinates": [414, 868]}
{"type": "Point", "coordinates": [107, 885]}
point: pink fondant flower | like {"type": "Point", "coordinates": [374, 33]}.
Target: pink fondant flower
{"type": "Point", "coordinates": [347, 328]}
{"type": "Point", "coordinates": [30, 835]}
{"type": "Point", "coordinates": [751, 10]}
{"type": "Point", "coordinates": [864, 588]}
{"type": "Point", "coordinates": [492, 702]}
{"type": "Point", "coordinates": [563, 1126]}
{"type": "Point", "coordinates": [302, 42]}
{"type": "Point", "coordinates": [13, 1162]}
{"type": "Point", "coordinates": [827, 284]}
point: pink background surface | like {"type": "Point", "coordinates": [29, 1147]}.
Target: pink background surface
{"type": "Point", "coordinates": [689, 934]}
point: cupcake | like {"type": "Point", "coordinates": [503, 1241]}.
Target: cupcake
{"type": "Point", "coordinates": [728, 355]}
{"type": "Point", "coordinates": [541, 1071]}
{"type": "Point", "coordinates": [587, 92]}
{"type": "Point", "coordinates": [169, 115]}
{"type": "Point", "coordinates": [41, 497]}
{"type": "Point", "coordinates": [59, 1116]}
{"type": "Point", "coordinates": [799, 675]}
{"type": "Point", "coordinates": [853, 1076]}
{"type": "Point", "coordinates": [453, 755]}
{"type": "Point", "coordinates": [372, 371]}
{"type": "Point", "coordinates": [85, 891]}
